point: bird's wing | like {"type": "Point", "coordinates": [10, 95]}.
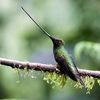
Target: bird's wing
{"type": "Point", "coordinates": [65, 69]}
{"type": "Point", "coordinates": [73, 61]}
{"type": "Point", "coordinates": [77, 75]}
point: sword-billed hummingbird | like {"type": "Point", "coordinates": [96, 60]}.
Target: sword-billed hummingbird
{"type": "Point", "coordinates": [62, 57]}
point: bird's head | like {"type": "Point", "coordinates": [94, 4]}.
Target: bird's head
{"type": "Point", "coordinates": [57, 42]}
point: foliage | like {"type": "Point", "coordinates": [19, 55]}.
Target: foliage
{"type": "Point", "coordinates": [89, 48]}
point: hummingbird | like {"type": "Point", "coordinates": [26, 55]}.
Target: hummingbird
{"type": "Point", "coordinates": [62, 57]}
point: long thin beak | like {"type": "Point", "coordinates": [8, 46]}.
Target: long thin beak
{"type": "Point", "coordinates": [36, 23]}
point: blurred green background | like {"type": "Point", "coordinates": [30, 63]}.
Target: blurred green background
{"type": "Point", "coordinates": [20, 39]}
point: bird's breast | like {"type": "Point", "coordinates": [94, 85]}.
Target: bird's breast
{"type": "Point", "coordinates": [61, 55]}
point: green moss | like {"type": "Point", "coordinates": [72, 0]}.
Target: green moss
{"type": "Point", "coordinates": [89, 82]}
{"type": "Point", "coordinates": [98, 80]}
{"type": "Point", "coordinates": [23, 73]}
{"type": "Point", "coordinates": [55, 79]}
{"type": "Point", "coordinates": [17, 70]}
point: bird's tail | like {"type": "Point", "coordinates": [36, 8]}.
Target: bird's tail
{"type": "Point", "coordinates": [79, 79]}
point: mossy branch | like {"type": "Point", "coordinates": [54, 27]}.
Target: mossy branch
{"type": "Point", "coordinates": [44, 67]}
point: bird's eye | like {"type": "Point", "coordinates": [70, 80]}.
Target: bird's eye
{"type": "Point", "coordinates": [60, 42]}
{"type": "Point", "coordinates": [57, 42]}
